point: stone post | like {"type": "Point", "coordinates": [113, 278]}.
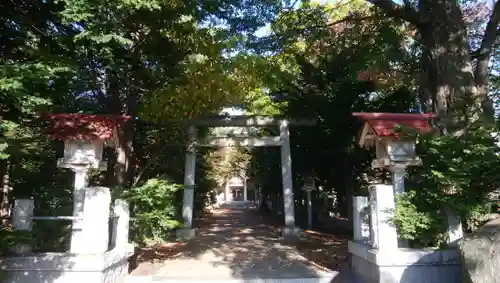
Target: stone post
{"type": "Point", "coordinates": [309, 210]}
{"type": "Point", "coordinates": [454, 227]}
{"type": "Point", "coordinates": [361, 226]}
{"type": "Point", "coordinates": [245, 187]}
{"type": "Point", "coordinates": [398, 181]}
{"type": "Point", "coordinates": [384, 236]}
{"type": "Point", "coordinates": [228, 192]}
{"type": "Point", "coordinates": [189, 185]}
{"type": "Point", "coordinates": [286, 171]}
{"type": "Point", "coordinates": [21, 221]}
{"type": "Point", "coordinates": [95, 222]}
{"type": "Point", "coordinates": [81, 182]}
{"type": "Point", "coordinates": [121, 227]}
{"type": "Point", "coordinates": [256, 197]}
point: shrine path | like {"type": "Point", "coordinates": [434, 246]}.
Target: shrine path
{"type": "Point", "coordinates": [238, 244]}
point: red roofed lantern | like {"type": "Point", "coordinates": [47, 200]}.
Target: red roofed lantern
{"type": "Point", "coordinates": [381, 130]}
{"type": "Point", "coordinates": [83, 136]}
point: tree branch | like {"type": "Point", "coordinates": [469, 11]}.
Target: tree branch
{"type": "Point", "coordinates": [491, 33]}
{"type": "Point", "coordinates": [483, 60]}
{"type": "Point", "coordinates": [403, 12]}
{"type": "Point", "coordinates": [352, 19]}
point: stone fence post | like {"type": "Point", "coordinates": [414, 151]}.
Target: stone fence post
{"type": "Point", "coordinates": [383, 232]}
{"type": "Point", "coordinates": [121, 224]}
{"type": "Point", "coordinates": [454, 227]}
{"type": "Point", "coordinates": [22, 220]}
{"type": "Point", "coordinates": [95, 223]}
{"type": "Point", "coordinates": [360, 219]}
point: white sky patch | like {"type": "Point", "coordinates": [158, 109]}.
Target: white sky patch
{"type": "Point", "coordinates": [232, 111]}
{"type": "Point", "coordinates": [263, 31]}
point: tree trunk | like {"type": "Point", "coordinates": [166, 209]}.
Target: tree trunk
{"type": "Point", "coordinates": [483, 60]}
{"type": "Point", "coordinates": [116, 107]}
{"type": "Point", "coordinates": [448, 71]}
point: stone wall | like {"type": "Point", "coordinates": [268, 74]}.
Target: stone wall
{"type": "Point", "coordinates": [377, 255]}
{"type": "Point", "coordinates": [404, 265]}
{"type": "Point", "coordinates": [94, 256]}
{"type": "Point", "coordinates": [109, 267]}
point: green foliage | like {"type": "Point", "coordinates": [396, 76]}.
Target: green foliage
{"type": "Point", "coordinates": [421, 228]}
{"type": "Point", "coordinates": [154, 210]}
{"type": "Point", "coordinates": [458, 175]}
{"type": "Point", "coordinates": [165, 60]}
{"type": "Point", "coordinates": [10, 238]}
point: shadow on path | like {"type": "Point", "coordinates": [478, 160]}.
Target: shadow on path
{"type": "Point", "coordinates": [240, 242]}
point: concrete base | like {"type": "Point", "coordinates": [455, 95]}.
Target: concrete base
{"type": "Point", "coordinates": [185, 233]}
{"type": "Point", "coordinates": [148, 279]}
{"type": "Point", "coordinates": [108, 267]}
{"type": "Point", "coordinates": [290, 232]}
{"type": "Point", "coordinates": [404, 265]}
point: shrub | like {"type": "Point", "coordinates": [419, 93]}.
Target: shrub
{"type": "Point", "coordinates": [10, 238]}
{"type": "Point", "coordinates": [458, 173]}
{"type": "Point", "coordinates": [154, 210]}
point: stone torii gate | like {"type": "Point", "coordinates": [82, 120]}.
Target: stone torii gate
{"type": "Point", "coordinates": [283, 141]}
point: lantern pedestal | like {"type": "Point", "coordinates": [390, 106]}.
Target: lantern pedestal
{"type": "Point", "coordinates": [185, 233]}
{"type": "Point", "coordinates": [81, 182]}
{"type": "Point", "coordinates": [80, 156]}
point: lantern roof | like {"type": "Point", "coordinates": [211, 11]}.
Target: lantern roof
{"type": "Point", "coordinates": [379, 125]}
{"type": "Point", "coordinates": [75, 126]}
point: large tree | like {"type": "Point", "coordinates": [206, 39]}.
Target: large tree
{"type": "Point", "coordinates": [454, 81]}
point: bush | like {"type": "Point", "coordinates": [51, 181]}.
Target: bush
{"type": "Point", "coordinates": [154, 210]}
{"type": "Point", "coordinates": [10, 238]}
{"type": "Point", "coordinates": [458, 173]}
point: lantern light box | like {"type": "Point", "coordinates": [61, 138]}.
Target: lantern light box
{"type": "Point", "coordinates": [84, 136]}
{"type": "Point", "coordinates": [390, 147]}
{"type": "Point", "coordinates": [83, 152]}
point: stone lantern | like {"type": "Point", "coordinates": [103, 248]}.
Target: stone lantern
{"type": "Point", "coordinates": [84, 136]}
{"type": "Point", "coordinates": [391, 136]}
{"type": "Point", "coordinates": [309, 186]}
{"type": "Point", "coordinates": [394, 150]}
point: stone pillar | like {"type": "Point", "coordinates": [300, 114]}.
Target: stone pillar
{"type": "Point", "coordinates": [228, 195]}
{"type": "Point", "coordinates": [398, 182]}
{"type": "Point", "coordinates": [384, 236]}
{"type": "Point", "coordinates": [360, 221]}
{"type": "Point", "coordinates": [262, 198]}
{"type": "Point", "coordinates": [245, 187]}
{"type": "Point", "coordinates": [121, 227]}
{"type": "Point", "coordinates": [309, 210]}
{"type": "Point", "coordinates": [256, 197]}
{"type": "Point", "coordinates": [80, 184]}
{"type": "Point", "coordinates": [455, 231]}
{"type": "Point", "coordinates": [95, 222]}
{"type": "Point", "coordinates": [21, 221]}
{"type": "Point", "coordinates": [398, 178]}
{"type": "Point", "coordinates": [286, 171]}
{"type": "Point", "coordinates": [189, 186]}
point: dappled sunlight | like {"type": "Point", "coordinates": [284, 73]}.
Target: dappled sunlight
{"type": "Point", "coordinates": [239, 242]}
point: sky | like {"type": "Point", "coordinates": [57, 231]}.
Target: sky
{"type": "Point", "coordinates": [263, 31]}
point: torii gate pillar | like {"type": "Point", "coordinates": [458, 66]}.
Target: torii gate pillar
{"type": "Point", "coordinates": [189, 186]}
{"type": "Point", "coordinates": [286, 173]}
